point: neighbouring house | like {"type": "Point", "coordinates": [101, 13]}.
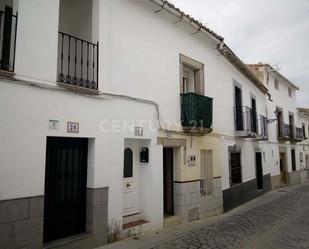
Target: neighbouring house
{"type": "Point", "coordinates": [286, 134]}
{"type": "Point", "coordinates": [303, 147]}
{"type": "Point", "coordinates": [121, 117]}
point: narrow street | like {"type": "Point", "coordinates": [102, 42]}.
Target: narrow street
{"type": "Point", "coordinates": [279, 219]}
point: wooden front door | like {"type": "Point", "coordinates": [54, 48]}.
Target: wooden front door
{"type": "Point", "coordinates": [130, 180]}
{"type": "Point", "coordinates": [283, 171]}
{"type": "Point", "coordinates": [65, 187]}
{"type": "Point", "coordinates": [168, 181]}
{"type": "Point", "coordinates": [259, 170]}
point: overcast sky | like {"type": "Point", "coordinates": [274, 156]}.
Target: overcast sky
{"type": "Point", "coordinates": [269, 31]}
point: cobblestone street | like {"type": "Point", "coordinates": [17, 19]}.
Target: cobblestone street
{"type": "Point", "coordinates": [281, 223]}
{"type": "Point", "coordinates": [279, 219]}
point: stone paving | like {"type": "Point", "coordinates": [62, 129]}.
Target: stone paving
{"type": "Point", "coordinates": [279, 221]}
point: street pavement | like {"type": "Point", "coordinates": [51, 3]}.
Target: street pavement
{"type": "Point", "coordinates": [276, 220]}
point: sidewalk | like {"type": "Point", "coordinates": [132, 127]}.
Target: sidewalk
{"type": "Point", "coordinates": [171, 233]}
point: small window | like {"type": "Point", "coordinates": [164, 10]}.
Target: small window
{"type": "Point", "coordinates": [192, 76]}
{"type": "Point", "coordinates": [301, 159]}
{"type": "Point", "coordinates": [206, 178]}
{"type": "Point", "coordinates": [128, 163]}
{"type": "Point", "coordinates": [276, 84]}
{"type": "Point", "coordinates": [235, 168]}
{"type": "Point", "coordinates": [290, 92]}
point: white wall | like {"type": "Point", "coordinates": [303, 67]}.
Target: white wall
{"type": "Point", "coordinates": [141, 58]}
{"type": "Point", "coordinates": [37, 40]}
{"type": "Point", "coordinates": [25, 125]}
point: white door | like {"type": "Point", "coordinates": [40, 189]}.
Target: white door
{"type": "Point", "coordinates": [130, 179]}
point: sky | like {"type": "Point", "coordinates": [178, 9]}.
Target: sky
{"type": "Point", "coordinates": [268, 31]}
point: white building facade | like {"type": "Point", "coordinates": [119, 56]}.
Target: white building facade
{"type": "Point", "coordinates": [287, 137]}
{"type": "Point", "coordinates": [135, 106]}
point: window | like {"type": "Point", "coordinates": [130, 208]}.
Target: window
{"type": "Point", "coordinates": [128, 163]}
{"type": "Point", "coordinates": [235, 168]}
{"type": "Point", "coordinates": [188, 80]}
{"type": "Point", "coordinates": [301, 158]}
{"type": "Point", "coordinates": [293, 160]}
{"type": "Point", "coordinates": [290, 92]}
{"type": "Point", "coordinates": [192, 76]}
{"type": "Point", "coordinates": [206, 180]}
{"type": "Point", "coordinates": [304, 130]}
{"type": "Point", "coordinates": [276, 84]}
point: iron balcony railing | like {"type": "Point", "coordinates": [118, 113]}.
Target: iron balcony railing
{"type": "Point", "coordinates": [263, 126]}
{"type": "Point", "coordinates": [196, 111]}
{"type": "Point", "coordinates": [299, 134]}
{"type": "Point", "coordinates": [285, 131]}
{"type": "Point", "coordinates": [245, 119]}
{"type": "Point", "coordinates": [8, 30]}
{"type": "Point", "coordinates": [78, 61]}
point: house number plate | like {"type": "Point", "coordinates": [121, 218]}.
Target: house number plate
{"type": "Point", "coordinates": [73, 127]}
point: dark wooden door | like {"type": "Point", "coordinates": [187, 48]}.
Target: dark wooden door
{"type": "Point", "coordinates": [253, 116]}
{"type": "Point", "coordinates": [168, 181]}
{"type": "Point", "coordinates": [238, 110]}
{"type": "Point", "coordinates": [259, 170]}
{"type": "Point", "coordinates": [293, 157]}
{"type": "Point", "coordinates": [6, 44]}
{"type": "Point", "coordinates": [65, 187]}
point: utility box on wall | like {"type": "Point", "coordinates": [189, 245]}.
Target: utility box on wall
{"type": "Point", "coordinates": [144, 155]}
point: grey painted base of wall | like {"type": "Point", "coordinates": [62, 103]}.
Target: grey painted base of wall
{"type": "Point", "coordinates": [21, 223]}
{"type": "Point", "coordinates": [294, 177]}
{"type": "Point", "coordinates": [304, 176]}
{"type": "Point", "coordinates": [242, 193]}
{"type": "Point", "coordinates": [190, 205]}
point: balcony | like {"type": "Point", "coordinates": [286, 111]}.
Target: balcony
{"type": "Point", "coordinates": [196, 113]}
{"type": "Point", "coordinates": [246, 122]}
{"type": "Point", "coordinates": [299, 135]}
{"type": "Point", "coordinates": [8, 28]}
{"type": "Point", "coordinates": [262, 128]}
{"type": "Point", "coordinates": [290, 133]}
{"type": "Point", "coordinates": [78, 63]}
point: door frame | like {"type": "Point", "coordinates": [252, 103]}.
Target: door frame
{"type": "Point", "coordinates": [134, 146]}
{"type": "Point", "coordinates": [49, 185]}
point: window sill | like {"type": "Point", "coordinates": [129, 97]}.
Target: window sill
{"type": "Point", "coordinates": [7, 74]}
{"type": "Point", "coordinates": [79, 89]}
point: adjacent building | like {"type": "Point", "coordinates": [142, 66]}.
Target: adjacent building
{"type": "Point", "coordinates": [287, 126]}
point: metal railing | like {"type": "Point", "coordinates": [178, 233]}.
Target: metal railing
{"type": "Point", "coordinates": [299, 134]}
{"type": "Point", "coordinates": [78, 61]}
{"type": "Point", "coordinates": [245, 119]}
{"type": "Point", "coordinates": [196, 111]}
{"type": "Point", "coordinates": [263, 126]}
{"type": "Point", "coordinates": [8, 31]}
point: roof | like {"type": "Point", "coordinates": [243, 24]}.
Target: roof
{"type": "Point", "coordinates": [304, 111]}
{"type": "Point", "coordinates": [222, 47]}
{"type": "Point", "coordinates": [237, 62]}
{"type": "Point", "coordinates": [272, 69]}
{"type": "Point", "coordinates": [191, 19]}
